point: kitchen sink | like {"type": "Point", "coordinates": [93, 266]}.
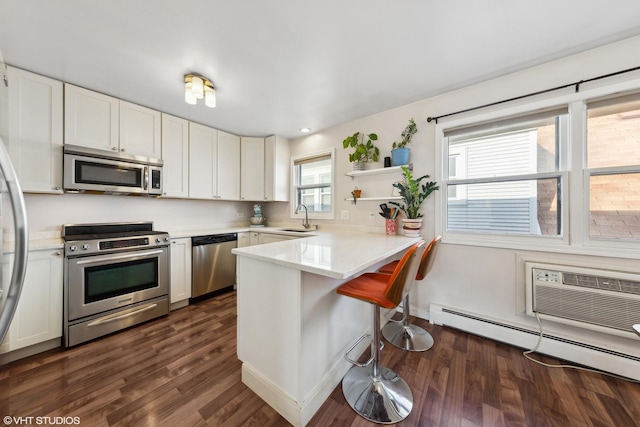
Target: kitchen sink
{"type": "Point", "coordinates": [298, 230]}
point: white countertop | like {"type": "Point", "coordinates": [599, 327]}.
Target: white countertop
{"type": "Point", "coordinates": [329, 253]}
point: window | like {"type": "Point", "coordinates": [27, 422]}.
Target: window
{"type": "Point", "coordinates": [504, 177]}
{"type": "Point", "coordinates": [613, 168]}
{"type": "Point", "coordinates": [566, 175]}
{"type": "Point", "coordinates": [313, 185]}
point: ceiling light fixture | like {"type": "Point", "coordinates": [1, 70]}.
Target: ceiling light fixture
{"type": "Point", "coordinates": [198, 87]}
{"type": "Point", "coordinates": [305, 130]}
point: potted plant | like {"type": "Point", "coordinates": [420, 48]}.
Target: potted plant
{"type": "Point", "coordinates": [363, 152]}
{"type": "Point", "coordinates": [413, 192]}
{"type": "Point", "coordinates": [400, 153]}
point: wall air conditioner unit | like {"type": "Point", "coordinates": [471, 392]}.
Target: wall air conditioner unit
{"type": "Point", "coordinates": [602, 300]}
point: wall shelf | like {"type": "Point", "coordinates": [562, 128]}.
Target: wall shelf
{"type": "Point", "coordinates": [374, 199]}
{"type": "Point", "coordinates": [378, 171]}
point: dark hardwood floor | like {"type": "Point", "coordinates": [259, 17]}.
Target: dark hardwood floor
{"type": "Point", "coordinates": [182, 370]}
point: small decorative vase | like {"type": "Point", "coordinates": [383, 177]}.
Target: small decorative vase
{"type": "Point", "coordinates": [400, 156]}
{"type": "Point", "coordinates": [390, 227]}
{"type": "Point", "coordinates": [411, 227]}
{"type": "Point", "coordinates": [358, 166]}
{"type": "Point", "coordinates": [357, 193]}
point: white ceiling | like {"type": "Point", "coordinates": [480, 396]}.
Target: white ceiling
{"type": "Point", "coordinates": [279, 65]}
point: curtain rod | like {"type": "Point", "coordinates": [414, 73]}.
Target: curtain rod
{"type": "Point", "coordinates": [576, 84]}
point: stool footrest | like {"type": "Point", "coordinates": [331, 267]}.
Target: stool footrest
{"type": "Point", "coordinates": [355, 362]}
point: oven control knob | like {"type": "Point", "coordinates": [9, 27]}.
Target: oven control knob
{"type": "Point", "coordinates": [166, 239]}
{"type": "Point", "coordinates": [157, 240]}
{"type": "Point", "coordinates": [73, 248]}
{"type": "Point", "coordinates": [85, 247]}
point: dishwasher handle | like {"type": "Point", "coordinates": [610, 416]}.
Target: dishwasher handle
{"type": "Point", "coordinates": [214, 238]}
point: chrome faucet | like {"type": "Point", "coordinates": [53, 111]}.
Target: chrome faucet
{"type": "Point", "coordinates": [305, 223]}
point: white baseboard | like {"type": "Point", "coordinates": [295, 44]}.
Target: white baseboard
{"type": "Point", "coordinates": [603, 359]}
{"type": "Point", "coordinates": [299, 413]}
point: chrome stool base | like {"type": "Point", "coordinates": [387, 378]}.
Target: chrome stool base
{"type": "Point", "coordinates": [407, 336]}
{"type": "Point", "coordinates": [385, 400]}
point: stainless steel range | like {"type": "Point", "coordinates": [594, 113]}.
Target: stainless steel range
{"type": "Point", "coordinates": [115, 276]}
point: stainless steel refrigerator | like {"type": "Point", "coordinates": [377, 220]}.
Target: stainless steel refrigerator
{"type": "Point", "coordinates": [11, 204]}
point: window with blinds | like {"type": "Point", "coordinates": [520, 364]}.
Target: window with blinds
{"type": "Point", "coordinates": [313, 184]}
{"type": "Point", "coordinates": [504, 177]}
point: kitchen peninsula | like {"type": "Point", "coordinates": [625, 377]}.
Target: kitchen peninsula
{"type": "Point", "coordinates": [293, 329]}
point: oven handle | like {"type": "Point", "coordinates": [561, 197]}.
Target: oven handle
{"type": "Point", "coordinates": [114, 317]}
{"type": "Point", "coordinates": [91, 260]}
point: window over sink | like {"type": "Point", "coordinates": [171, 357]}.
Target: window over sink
{"type": "Point", "coordinates": [313, 180]}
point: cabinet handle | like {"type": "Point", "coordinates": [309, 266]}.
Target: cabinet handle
{"type": "Point", "coordinates": [58, 253]}
{"type": "Point", "coordinates": [57, 188]}
{"type": "Point", "coordinates": [122, 149]}
{"type": "Point", "coordinates": [114, 148]}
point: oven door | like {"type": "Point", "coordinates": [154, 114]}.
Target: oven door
{"type": "Point", "coordinates": [100, 283]}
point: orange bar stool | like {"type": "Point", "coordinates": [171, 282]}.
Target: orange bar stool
{"type": "Point", "coordinates": [376, 392]}
{"type": "Point", "coordinates": [401, 333]}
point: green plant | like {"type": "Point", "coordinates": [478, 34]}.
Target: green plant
{"type": "Point", "coordinates": [407, 134]}
{"type": "Point", "coordinates": [413, 193]}
{"type": "Point", "coordinates": [363, 151]}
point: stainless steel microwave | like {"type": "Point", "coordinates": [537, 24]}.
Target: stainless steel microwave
{"type": "Point", "coordinates": [87, 170]}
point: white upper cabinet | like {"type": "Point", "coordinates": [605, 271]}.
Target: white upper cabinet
{"type": "Point", "coordinates": [91, 119]}
{"type": "Point", "coordinates": [252, 169]}
{"type": "Point", "coordinates": [140, 130]}
{"type": "Point", "coordinates": [265, 169]}
{"type": "Point", "coordinates": [276, 169]}
{"type": "Point", "coordinates": [214, 164]}
{"type": "Point", "coordinates": [203, 173]}
{"type": "Point", "coordinates": [95, 120]}
{"type": "Point", "coordinates": [228, 166]}
{"type": "Point", "coordinates": [175, 149]}
{"type": "Point", "coordinates": [35, 130]}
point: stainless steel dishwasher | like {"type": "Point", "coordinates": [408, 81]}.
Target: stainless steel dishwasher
{"type": "Point", "coordinates": [213, 264]}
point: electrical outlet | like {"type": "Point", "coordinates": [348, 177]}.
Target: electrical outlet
{"type": "Point", "coordinates": [240, 214]}
{"type": "Point", "coordinates": [372, 215]}
{"type": "Point", "coordinates": [344, 214]}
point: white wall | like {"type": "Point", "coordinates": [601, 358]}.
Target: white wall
{"type": "Point", "coordinates": [46, 213]}
{"type": "Point", "coordinates": [483, 281]}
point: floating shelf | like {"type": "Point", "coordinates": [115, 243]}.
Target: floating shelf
{"type": "Point", "coordinates": [374, 199]}
{"type": "Point", "coordinates": [378, 171]}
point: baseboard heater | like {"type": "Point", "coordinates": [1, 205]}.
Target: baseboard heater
{"type": "Point", "coordinates": [600, 358]}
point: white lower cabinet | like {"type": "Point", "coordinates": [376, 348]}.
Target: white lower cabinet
{"type": "Point", "coordinates": [38, 317]}
{"type": "Point", "coordinates": [180, 270]}
{"type": "Point", "coordinates": [270, 238]}
{"type": "Point", "coordinates": [244, 239]}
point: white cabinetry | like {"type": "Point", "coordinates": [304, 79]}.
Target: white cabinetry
{"type": "Point", "coordinates": [265, 169]}
{"type": "Point", "coordinates": [95, 120]}
{"type": "Point", "coordinates": [228, 162]}
{"type": "Point", "coordinates": [203, 173]}
{"type": "Point", "coordinates": [270, 238]}
{"type": "Point", "coordinates": [38, 317]}
{"type": "Point", "coordinates": [276, 169]}
{"type": "Point", "coordinates": [214, 164]}
{"type": "Point", "coordinates": [140, 130]}
{"type": "Point", "coordinates": [91, 119]}
{"type": "Point", "coordinates": [180, 270]}
{"type": "Point", "coordinates": [35, 130]}
{"type": "Point", "coordinates": [175, 149]}
{"type": "Point", "coordinates": [244, 239]}
{"type": "Point", "coordinates": [252, 172]}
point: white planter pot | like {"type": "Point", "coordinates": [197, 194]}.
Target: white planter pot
{"type": "Point", "coordinates": [411, 227]}
{"type": "Point", "coordinates": [358, 166]}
